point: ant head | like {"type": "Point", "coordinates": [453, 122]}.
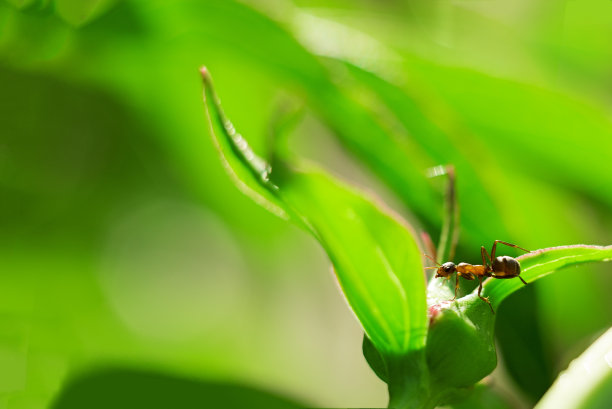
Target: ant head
{"type": "Point", "coordinates": [443, 270]}
{"type": "Point", "coordinates": [446, 269]}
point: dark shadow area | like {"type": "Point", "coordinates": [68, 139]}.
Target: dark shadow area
{"type": "Point", "coordinates": [523, 345]}
{"type": "Point", "coordinates": [130, 388]}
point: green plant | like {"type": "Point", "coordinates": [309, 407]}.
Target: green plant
{"type": "Point", "coordinates": [428, 350]}
{"type": "Point", "coordinates": [126, 253]}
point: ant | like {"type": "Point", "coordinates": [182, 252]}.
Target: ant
{"type": "Point", "coordinates": [496, 267]}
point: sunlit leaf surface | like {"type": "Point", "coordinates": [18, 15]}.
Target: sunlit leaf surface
{"type": "Point", "coordinates": [121, 238]}
{"type": "Point", "coordinates": [587, 382]}
{"type": "Point", "coordinates": [375, 255]}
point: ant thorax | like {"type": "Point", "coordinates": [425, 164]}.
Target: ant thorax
{"type": "Point", "coordinates": [475, 269]}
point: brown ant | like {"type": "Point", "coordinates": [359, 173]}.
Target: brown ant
{"type": "Point", "coordinates": [496, 267]}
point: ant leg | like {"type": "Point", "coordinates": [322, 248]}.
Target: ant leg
{"type": "Point", "coordinates": [485, 299]}
{"type": "Point", "coordinates": [524, 282]}
{"type": "Point", "coordinates": [485, 256]}
{"type": "Point", "coordinates": [507, 244]}
{"type": "Point", "coordinates": [456, 287]}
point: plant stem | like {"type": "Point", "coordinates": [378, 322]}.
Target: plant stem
{"type": "Point", "coordinates": [423, 402]}
{"type": "Point", "coordinates": [409, 386]}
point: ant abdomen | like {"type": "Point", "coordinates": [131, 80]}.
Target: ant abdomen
{"type": "Point", "coordinates": [505, 267]}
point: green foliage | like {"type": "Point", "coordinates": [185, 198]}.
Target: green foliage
{"type": "Point", "coordinates": [122, 241]}
{"type": "Point", "coordinates": [375, 256]}
{"type": "Point", "coordinates": [381, 277]}
{"type": "Point", "coordinates": [123, 389]}
{"type": "Point", "coordinates": [586, 382]}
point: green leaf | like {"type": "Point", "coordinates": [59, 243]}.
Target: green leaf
{"type": "Point", "coordinates": [375, 256]}
{"type": "Point", "coordinates": [382, 145]}
{"type": "Point", "coordinates": [250, 172]}
{"type": "Point", "coordinates": [138, 388]}
{"type": "Point", "coordinates": [374, 359]}
{"type": "Point", "coordinates": [374, 253]}
{"type": "Point", "coordinates": [551, 148]}
{"type": "Point", "coordinates": [440, 136]}
{"type": "Point", "coordinates": [587, 382]}
{"type": "Point", "coordinates": [540, 263]}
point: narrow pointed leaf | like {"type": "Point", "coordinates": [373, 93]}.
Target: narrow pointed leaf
{"type": "Point", "coordinates": [587, 382]}
{"type": "Point", "coordinates": [249, 171]}
{"type": "Point", "coordinates": [540, 263]}
{"type": "Point", "coordinates": [375, 256]}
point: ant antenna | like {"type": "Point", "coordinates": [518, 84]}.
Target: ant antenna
{"type": "Point", "coordinates": [432, 259]}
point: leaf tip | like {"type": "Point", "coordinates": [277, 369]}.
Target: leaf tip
{"type": "Point", "coordinates": [206, 78]}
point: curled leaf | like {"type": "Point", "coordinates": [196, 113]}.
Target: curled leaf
{"type": "Point", "coordinates": [250, 172]}
{"type": "Point", "coordinates": [375, 255]}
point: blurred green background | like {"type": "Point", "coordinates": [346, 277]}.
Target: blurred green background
{"type": "Point", "coordinates": [125, 247]}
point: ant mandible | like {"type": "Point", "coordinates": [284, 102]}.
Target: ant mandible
{"type": "Point", "coordinates": [497, 267]}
